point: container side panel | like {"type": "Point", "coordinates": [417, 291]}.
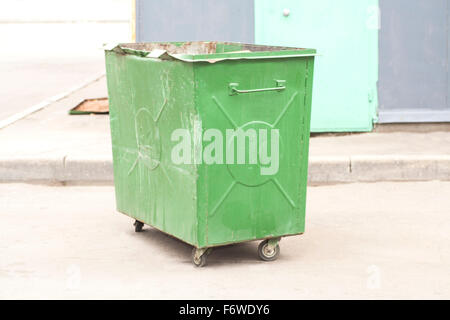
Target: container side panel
{"type": "Point", "coordinates": [237, 201]}
{"type": "Point", "coordinates": [149, 100]}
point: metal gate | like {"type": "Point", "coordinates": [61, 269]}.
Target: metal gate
{"type": "Point", "coordinates": [414, 56]}
{"type": "Point", "coordinates": [201, 20]}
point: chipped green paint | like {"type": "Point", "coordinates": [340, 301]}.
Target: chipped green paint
{"type": "Point", "coordinates": [218, 204]}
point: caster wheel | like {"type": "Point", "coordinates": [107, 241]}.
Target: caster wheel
{"type": "Point", "coordinates": [199, 261]}
{"type": "Point", "coordinates": [267, 254]}
{"type": "Point", "coordinates": [208, 252]}
{"type": "Point", "coordinates": [138, 226]}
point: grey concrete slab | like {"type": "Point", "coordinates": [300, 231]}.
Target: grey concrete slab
{"type": "Point", "coordinates": [32, 168]}
{"type": "Point", "coordinates": [52, 132]}
{"type": "Point", "coordinates": [362, 241]}
{"type": "Point", "coordinates": [383, 143]}
{"type": "Point", "coordinates": [329, 169]}
{"type": "Point", "coordinates": [80, 169]}
{"type": "Point", "coordinates": [400, 167]}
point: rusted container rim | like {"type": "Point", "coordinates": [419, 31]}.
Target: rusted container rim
{"type": "Point", "coordinates": [209, 51]}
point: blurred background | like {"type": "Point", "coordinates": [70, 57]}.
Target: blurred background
{"type": "Point", "coordinates": [50, 46]}
{"type": "Point", "coordinates": [380, 61]}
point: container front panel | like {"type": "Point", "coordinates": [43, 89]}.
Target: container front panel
{"type": "Point", "coordinates": [149, 99]}
{"type": "Point", "coordinates": [243, 200]}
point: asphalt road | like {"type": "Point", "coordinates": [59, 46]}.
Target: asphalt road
{"type": "Point", "coordinates": [376, 241]}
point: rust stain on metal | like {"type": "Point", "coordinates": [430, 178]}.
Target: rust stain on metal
{"type": "Point", "coordinates": [193, 47]}
{"type": "Point", "coordinates": [198, 47]}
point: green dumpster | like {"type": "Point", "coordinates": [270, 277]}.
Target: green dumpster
{"type": "Point", "coordinates": [210, 140]}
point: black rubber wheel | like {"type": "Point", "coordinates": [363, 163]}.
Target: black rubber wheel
{"type": "Point", "coordinates": [198, 262]}
{"type": "Point", "coordinates": [138, 226]}
{"type": "Point", "coordinates": [268, 255]}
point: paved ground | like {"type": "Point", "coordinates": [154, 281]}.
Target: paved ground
{"type": "Point", "coordinates": [52, 132]}
{"type": "Point", "coordinates": [62, 56]}
{"type": "Point", "coordinates": [68, 11]}
{"type": "Point", "coordinates": [380, 240]}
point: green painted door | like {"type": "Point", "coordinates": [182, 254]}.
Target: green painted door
{"type": "Point", "coordinates": [345, 34]}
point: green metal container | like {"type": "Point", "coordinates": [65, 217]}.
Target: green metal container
{"type": "Point", "coordinates": [210, 140]}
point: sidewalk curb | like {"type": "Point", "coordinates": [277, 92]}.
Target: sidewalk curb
{"type": "Point", "coordinates": [56, 169]}
{"type": "Point", "coordinates": [322, 169]}
{"type": "Point", "coordinates": [41, 105]}
{"type": "Point", "coordinates": [375, 168]}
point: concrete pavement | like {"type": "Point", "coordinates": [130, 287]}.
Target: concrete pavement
{"type": "Point", "coordinates": [62, 56]}
{"type": "Point", "coordinates": [51, 146]}
{"type": "Point", "coordinates": [51, 11]}
{"type": "Point", "coordinates": [374, 241]}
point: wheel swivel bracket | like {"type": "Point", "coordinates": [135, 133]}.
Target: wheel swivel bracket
{"type": "Point", "coordinates": [272, 243]}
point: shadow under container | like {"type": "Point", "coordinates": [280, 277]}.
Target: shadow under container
{"type": "Point", "coordinates": [176, 169]}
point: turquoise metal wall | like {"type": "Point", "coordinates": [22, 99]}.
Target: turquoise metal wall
{"type": "Point", "coordinates": [345, 34]}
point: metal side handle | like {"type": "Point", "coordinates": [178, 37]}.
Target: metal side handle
{"type": "Point", "coordinates": [233, 88]}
